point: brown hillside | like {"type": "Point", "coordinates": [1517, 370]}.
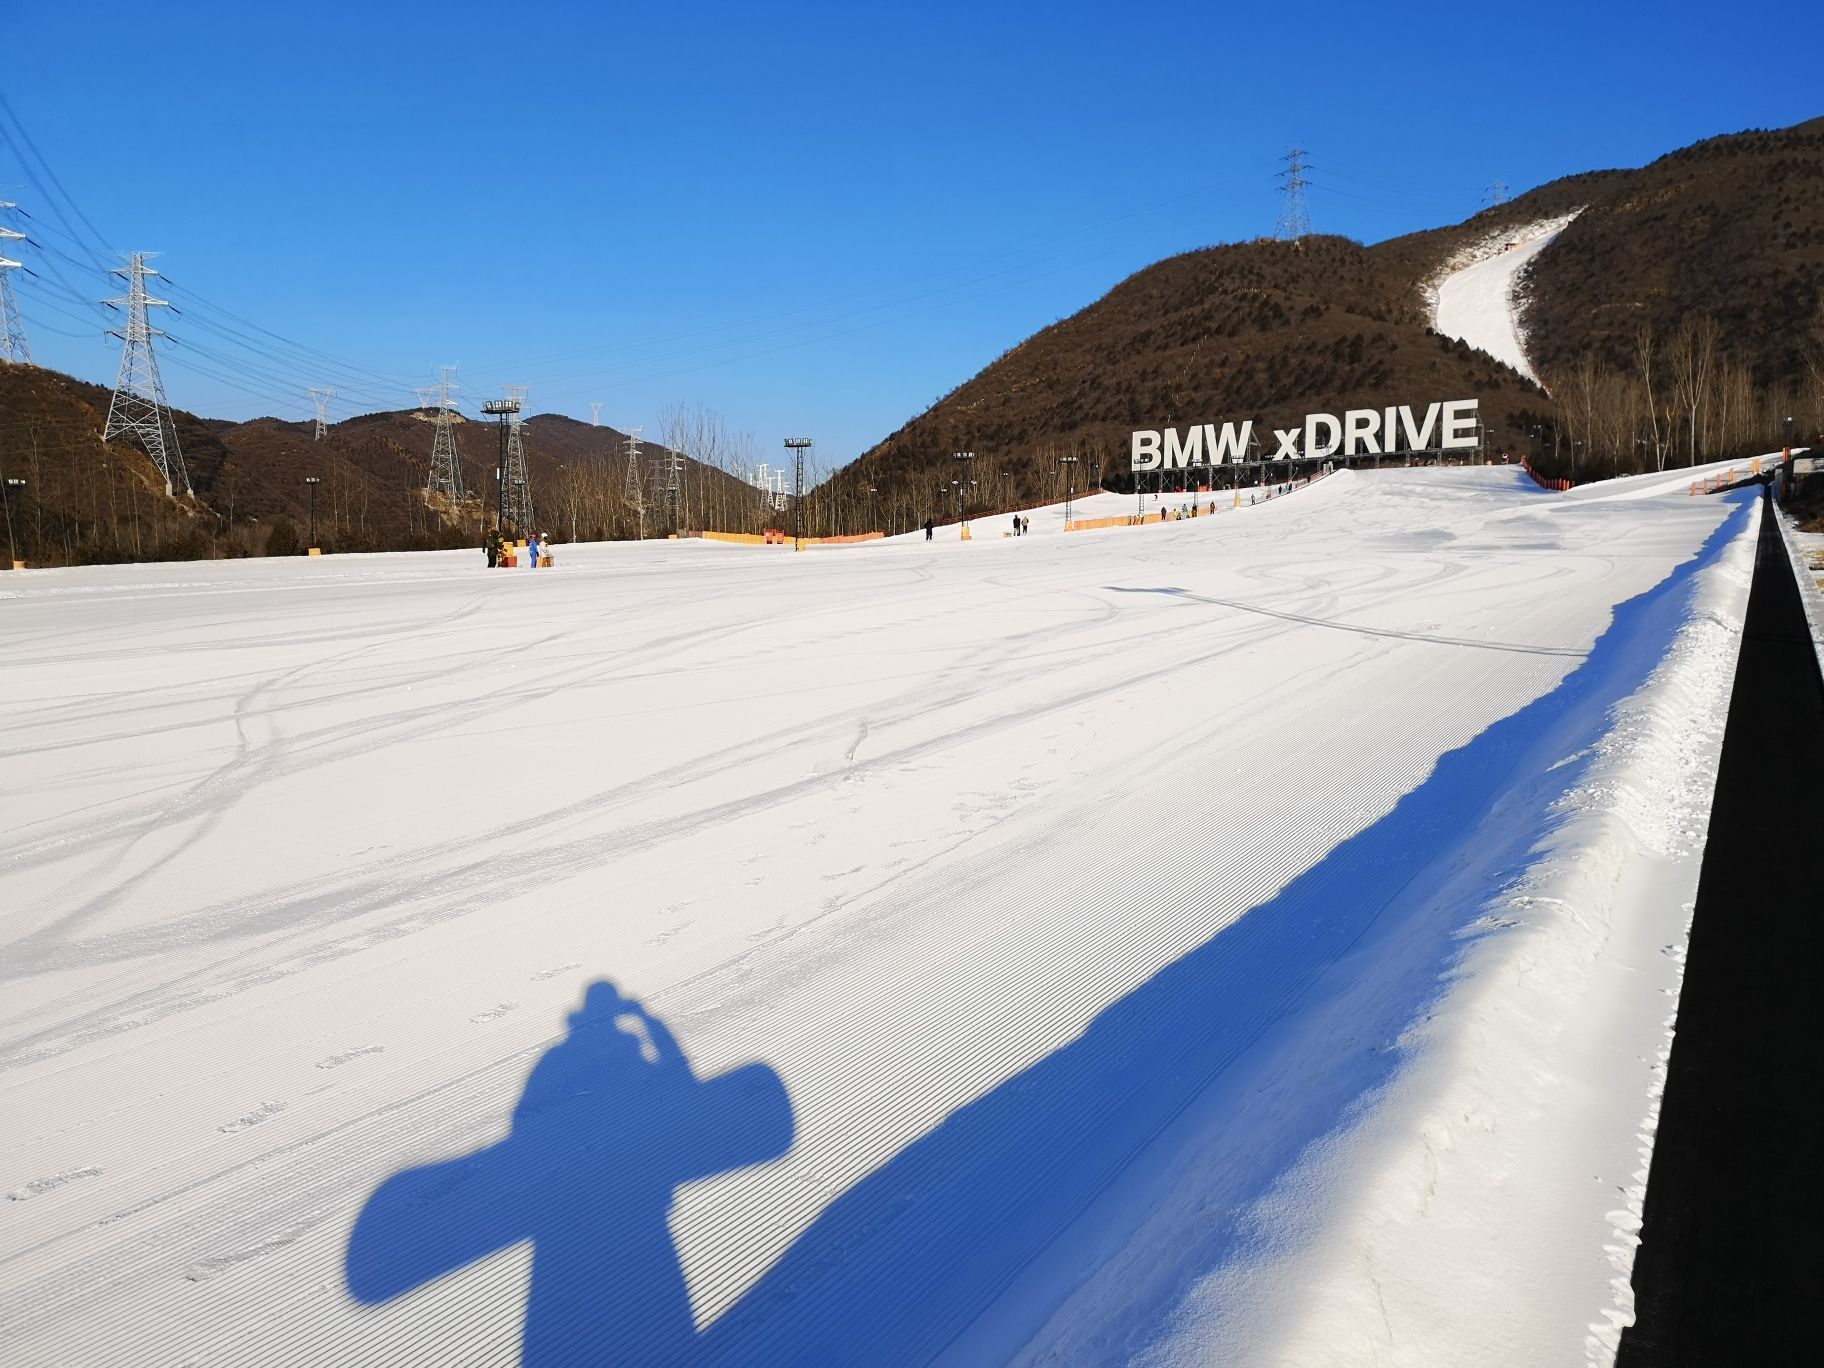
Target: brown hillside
{"type": "Point", "coordinates": [1422, 257]}
{"type": "Point", "coordinates": [1732, 227]}
{"type": "Point", "coordinates": [86, 501]}
{"type": "Point", "coordinates": [1265, 330]}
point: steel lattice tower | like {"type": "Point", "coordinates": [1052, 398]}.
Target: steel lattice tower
{"type": "Point", "coordinates": [516, 497]}
{"type": "Point", "coordinates": [139, 405]}
{"type": "Point", "coordinates": [1294, 217]}
{"type": "Point", "coordinates": [674, 485]}
{"type": "Point", "coordinates": [446, 465]}
{"type": "Point", "coordinates": [633, 488]}
{"type": "Point", "coordinates": [13, 346]}
{"type": "Point", "coordinates": [321, 398]}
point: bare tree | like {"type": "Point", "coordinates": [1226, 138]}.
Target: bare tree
{"type": "Point", "coordinates": [1693, 362]}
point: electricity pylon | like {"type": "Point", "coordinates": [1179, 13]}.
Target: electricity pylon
{"type": "Point", "coordinates": [1497, 194]}
{"type": "Point", "coordinates": [425, 395]}
{"type": "Point", "coordinates": [674, 485]}
{"type": "Point", "coordinates": [516, 496]}
{"type": "Point", "coordinates": [446, 466]}
{"type": "Point", "coordinates": [13, 346]}
{"type": "Point", "coordinates": [321, 397]}
{"type": "Point", "coordinates": [139, 405]}
{"type": "Point", "coordinates": [633, 488]}
{"type": "Point", "coordinates": [1294, 217]}
{"type": "Point", "coordinates": [595, 414]}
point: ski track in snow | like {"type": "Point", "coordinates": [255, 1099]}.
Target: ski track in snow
{"type": "Point", "coordinates": [924, 828]}
{"type": "Point", "coordinates": [1475, 303]}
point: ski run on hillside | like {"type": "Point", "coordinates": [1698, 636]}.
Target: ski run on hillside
{"type": "Point", "coordinates": [1252, 938]}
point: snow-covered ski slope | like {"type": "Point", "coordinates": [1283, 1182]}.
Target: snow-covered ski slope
{"type": "Point", "coordinates": [1476, 303]}
{"type": "Point", "coordinates": [1248, 939]}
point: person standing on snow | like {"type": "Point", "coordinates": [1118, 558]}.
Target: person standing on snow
{"type": "Point", "coordinates": [928, 526]}
{"type": "Point", "coordinates": [532, 549]}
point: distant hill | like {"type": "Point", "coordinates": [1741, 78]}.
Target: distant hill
{"type": "Point", "coordinates": [1718, 250]}
{"type": "Point", "coordinates": [1730, 229]}
{"type": "Point", "coordinates": [1266, 330]}
{"type": "Point", "coordinates": [88, 501]}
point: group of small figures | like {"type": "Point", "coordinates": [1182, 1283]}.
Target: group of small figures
{"type": "Point", "coordinates": [503, 551]}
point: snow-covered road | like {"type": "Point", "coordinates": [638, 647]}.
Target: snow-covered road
{"type": "Point", "coordinates": [1093, 898]}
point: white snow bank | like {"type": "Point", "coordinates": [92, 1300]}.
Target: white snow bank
{"type": "Point", "coordinates": [1475, 303]}
{"type": "Point", "coordinates": [1506, 1168]}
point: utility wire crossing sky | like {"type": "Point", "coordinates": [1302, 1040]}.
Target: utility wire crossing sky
{"type": "Point", "coordinates": [807, 218]}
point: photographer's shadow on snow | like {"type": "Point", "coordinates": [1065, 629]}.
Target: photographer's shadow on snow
{"type": "Point", "coordinates": [612, 1121]}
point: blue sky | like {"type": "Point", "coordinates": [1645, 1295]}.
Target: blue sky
{"type": "Point", "coordinates": [809, 218]}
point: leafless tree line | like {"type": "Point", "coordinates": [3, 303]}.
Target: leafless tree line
{"type": "Point", "coordinates": [1683, 400]}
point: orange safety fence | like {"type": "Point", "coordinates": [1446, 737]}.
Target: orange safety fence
{"type": "Point", "coordinates": [772, 536]}
{"type": "Point", "coordinates": [1713, 483]}
{"type": "Point", "coordinates": [1544, 482]}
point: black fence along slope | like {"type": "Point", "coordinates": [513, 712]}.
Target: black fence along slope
{"type": "Point", "coordinates": [1728, 1269]}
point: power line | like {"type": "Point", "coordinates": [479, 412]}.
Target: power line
{"type": "Point", "coordinates": [100, 248]}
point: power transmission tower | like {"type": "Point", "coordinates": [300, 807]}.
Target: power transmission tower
{"type": "Point", "coordinates": [674, 485]}
{"type": "Point", "coordinates": [446, 465]}
{"type": "Point", "coordinates": [1497, 194]}
{"type": "Point", "coordinates": [633, 488]}
{"type": "Point", "coordinates": [13, 346]}
{"type": "Point", "coordinates": [320, 397]}
{"type": "Point", "coordinates": [516, 493]}
{"type": "Point", "coordinates": [139, 405]}
{"type": "Point", "coordinates": [595, 414]}
{"type": "Point", "coordinates": [425, 395]}
{"type": "Point", "coordinates": [1294, 217]}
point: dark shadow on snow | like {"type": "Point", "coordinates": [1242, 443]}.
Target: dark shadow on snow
{"type": "Point", "coordinates": [611, 1122]}
{"type": "Point", "coordinates": [900, 1265]}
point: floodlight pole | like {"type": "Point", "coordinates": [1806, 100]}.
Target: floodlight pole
{"type": "Point", "coordinates": [502, 408]}
{"type": "Point", "coordinates": [311, 482]}
{"type": "Point", "coordinates": [1070, 484]}
{"type": "Point", "coordinates": [798, 446]}
{"type": "Point", "coordinates": [11, 483]}
{"type": "Point", "coordinates": [963, 496]}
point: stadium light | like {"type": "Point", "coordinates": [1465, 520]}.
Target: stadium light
{"type": "Point", "coordinates": [311, 482]}
{"type": "Point", "coordinates": [502, 409]}
{"type": "Point", "coordinates": [6, 494]}
{"type": "Point", "coordinates": [963, 506]}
